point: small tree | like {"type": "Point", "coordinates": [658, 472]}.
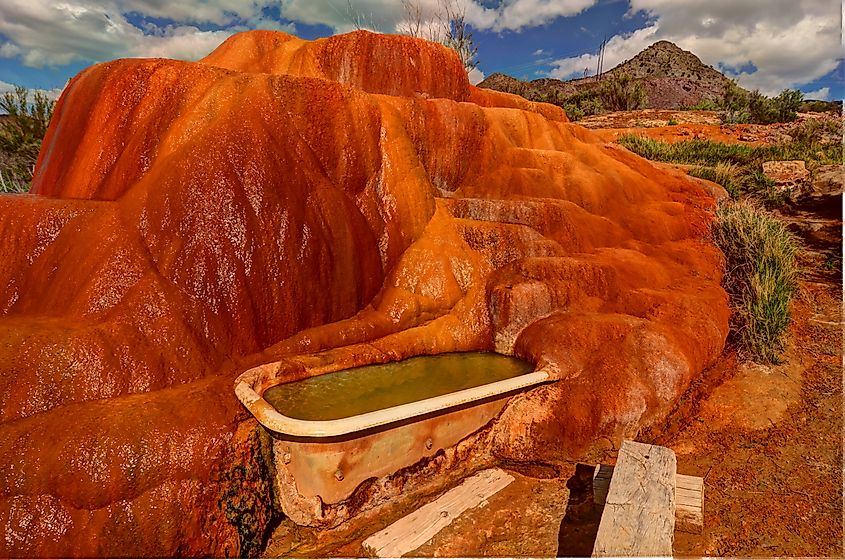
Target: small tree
{"type": "Point", "coordinates": [734, 103]}
{"type": "Point", "coordinates": [761, 110]}
{"type": "Point", "coordinates": [622, 93]}
{"type": "Point", "coordinates": [457, 35]}
{"type": "Point", "coordinates": [787, 103]}
{"type": "Point", "coordinates": [447, 26]}
{"type": "Point", "coordinates": [21, 133]}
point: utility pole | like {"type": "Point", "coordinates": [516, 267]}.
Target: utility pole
{"type": "Point", "coordinates": [601, 57]}
{"type": "Point", "coordinates": [598, 61]}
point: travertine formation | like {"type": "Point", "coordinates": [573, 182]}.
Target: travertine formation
{"type": "Point", "coordinates": [327, 204]}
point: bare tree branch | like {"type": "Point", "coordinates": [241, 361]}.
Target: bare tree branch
{"type": "Point", "coordinates": [446, 26]}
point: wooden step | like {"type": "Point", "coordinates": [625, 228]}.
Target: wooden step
{"type": "Point", "coordinates": [419, 527]}
{"type": "Point", "coordinates": [639, 510]}
{"type": "Point", "coordinates": [689, 498]}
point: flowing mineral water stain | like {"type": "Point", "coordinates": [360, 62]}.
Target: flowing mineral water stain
{"type": "Point", "coordinates": [364, 389]}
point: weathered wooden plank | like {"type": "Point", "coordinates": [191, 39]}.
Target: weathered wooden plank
{"type": "Point", "coordinates": [417, 528]}
{"type": "Point", "coordinates": [689, 511]}
{"type": "Point", "coordinates": [639, 512]}
{"type": "Point", "coordinates": [689, 498]}
{"type": "Point", "coordinates": [686, 481]}
{"type": "Point", "coordinates": [685, 501]}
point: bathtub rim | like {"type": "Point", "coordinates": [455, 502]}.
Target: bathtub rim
{"type": "Point", "coordinates": [274, 420]}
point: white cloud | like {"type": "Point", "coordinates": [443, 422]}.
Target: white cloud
{"type": "Point", "coordinates": [515, 15]}
{"type": "Point", "coordinates": [389, 15]}
{"type": "Point", "coordinates": [475, 76]}
{"type": "Point", "coordinates": [184, 43]}
{"type": "Point", "coordinates": [51, 94]}
{"type": "Point", "coordinates": [822, 94]}
{"type": "Point", "coordinates": [219, 12]}
{"type": "Point", "coordinates": [790, 42]}
{"type": "Point", "coordinates": [540, 52]}
{"type": "Point", "coordinates": [343, 16]}
{"type": "Point", "coordinates": [47, 33]}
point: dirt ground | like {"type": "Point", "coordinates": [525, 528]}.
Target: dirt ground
{"type": "Point", "coordinates": [768, 441]}
{"type": "Point", "coordinates": [688, 125]}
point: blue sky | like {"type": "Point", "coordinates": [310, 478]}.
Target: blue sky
{"type": "Point", "coordinates": [765, 44]}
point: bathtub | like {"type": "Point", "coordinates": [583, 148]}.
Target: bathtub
{"type": "Point", "coordinates": [321, 460]}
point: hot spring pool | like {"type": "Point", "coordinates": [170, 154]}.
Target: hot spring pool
{"type": "Point", "coordinates": [360, 390]}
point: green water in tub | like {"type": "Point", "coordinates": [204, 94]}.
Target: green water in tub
{"type": "Point", "coordinates": [365, 389]}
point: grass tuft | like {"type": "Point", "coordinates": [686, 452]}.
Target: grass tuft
{"type": "Point", "coordinates": [761, 275]}
{"type": "Point", "coordinates": [725, 174]}
{"type": "Point", "coordinates": [12, 184]}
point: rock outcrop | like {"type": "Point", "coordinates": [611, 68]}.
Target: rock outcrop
{"type": "Point", "coordinates": [326, 204]}
{"type": "Point", "coordinates": [789, 176]}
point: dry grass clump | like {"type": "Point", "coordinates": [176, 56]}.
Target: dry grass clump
{"type": "Point", "coordinates": [761, 276]}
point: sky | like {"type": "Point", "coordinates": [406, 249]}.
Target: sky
{"type": "Point", "coordinates": [764, 44]}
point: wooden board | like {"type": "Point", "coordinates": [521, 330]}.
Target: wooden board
{"type": "Point", "coordinates": [689, 498]}
{"type": "Point", "coordinates": [689, 506]}
{"type": "Point", "coordinates": [639, 512]}
{"type": "Point", "coordinates": [416, 529]}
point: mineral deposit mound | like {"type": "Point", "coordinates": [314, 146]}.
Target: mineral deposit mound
{"type": "Point", "coordinates": [320, 203]}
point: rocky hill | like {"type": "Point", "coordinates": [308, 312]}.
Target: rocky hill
{"type": "Point", "coordinates": [672, 77]}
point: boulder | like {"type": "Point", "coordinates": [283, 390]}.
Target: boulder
{"type": "Point", "coordinates": [828, 180]}
{"type": "Point", "coordinates": [790, 176]}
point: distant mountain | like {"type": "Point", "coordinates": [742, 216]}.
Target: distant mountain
{"type": "Point", "coordinates": [672, 78]}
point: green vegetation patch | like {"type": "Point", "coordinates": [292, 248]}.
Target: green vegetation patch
{"type": "Point", "coordinates": [761, 274]}
{"type": "Point", "coordinates": [739, 167]}
{"type": "Point", "coordinates": [695, 151]}
{"type": "Point", "coordinates": [754, 107]}
{"type": "Point", "coordinates": [622, 93]}
{"type": "Point", "coordinates": [21, 133]}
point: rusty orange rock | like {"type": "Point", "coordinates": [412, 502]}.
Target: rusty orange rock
{"type": "Point", "coordinates": [326, 204]}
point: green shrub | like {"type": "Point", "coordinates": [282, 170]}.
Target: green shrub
{"type": "Point", "coordinates": [622, 93]}
{"type": "Point", "coordinates": [818, 131]}
{"type": "Point", "coordinates": [761, 109]}
{"type": "Point", "coordinates": [817, 106]}
{"type": "Point", "coordinates": [12, 185]}
{"type": "Point", "coordinates": [705, 105]}
{"type": "Point", "coordinates": [786, 105]}
{"type": "Point", "coordinates": [591, 105]}
{"type": "Point", "coordinates": [810, 149]}
{"type": "Point", "coordinates": [573, 111]}
{"type": "Point", "coordinates": [734, 104]}
{"type": "Point", "coordinates": [737, 107]}
{"type": "Point", "coordinates": [671, 122]}
{"type": "Point", "coordinates": [738, 167]}
{"type": "Point", "coordinates": [761, 275]}
{"type": "Point", "coordinates": [21, 133]}
{"type": "Point", "coordinates": [759, 186]}
{"type": "Point", "coordinates": [580, 104]}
